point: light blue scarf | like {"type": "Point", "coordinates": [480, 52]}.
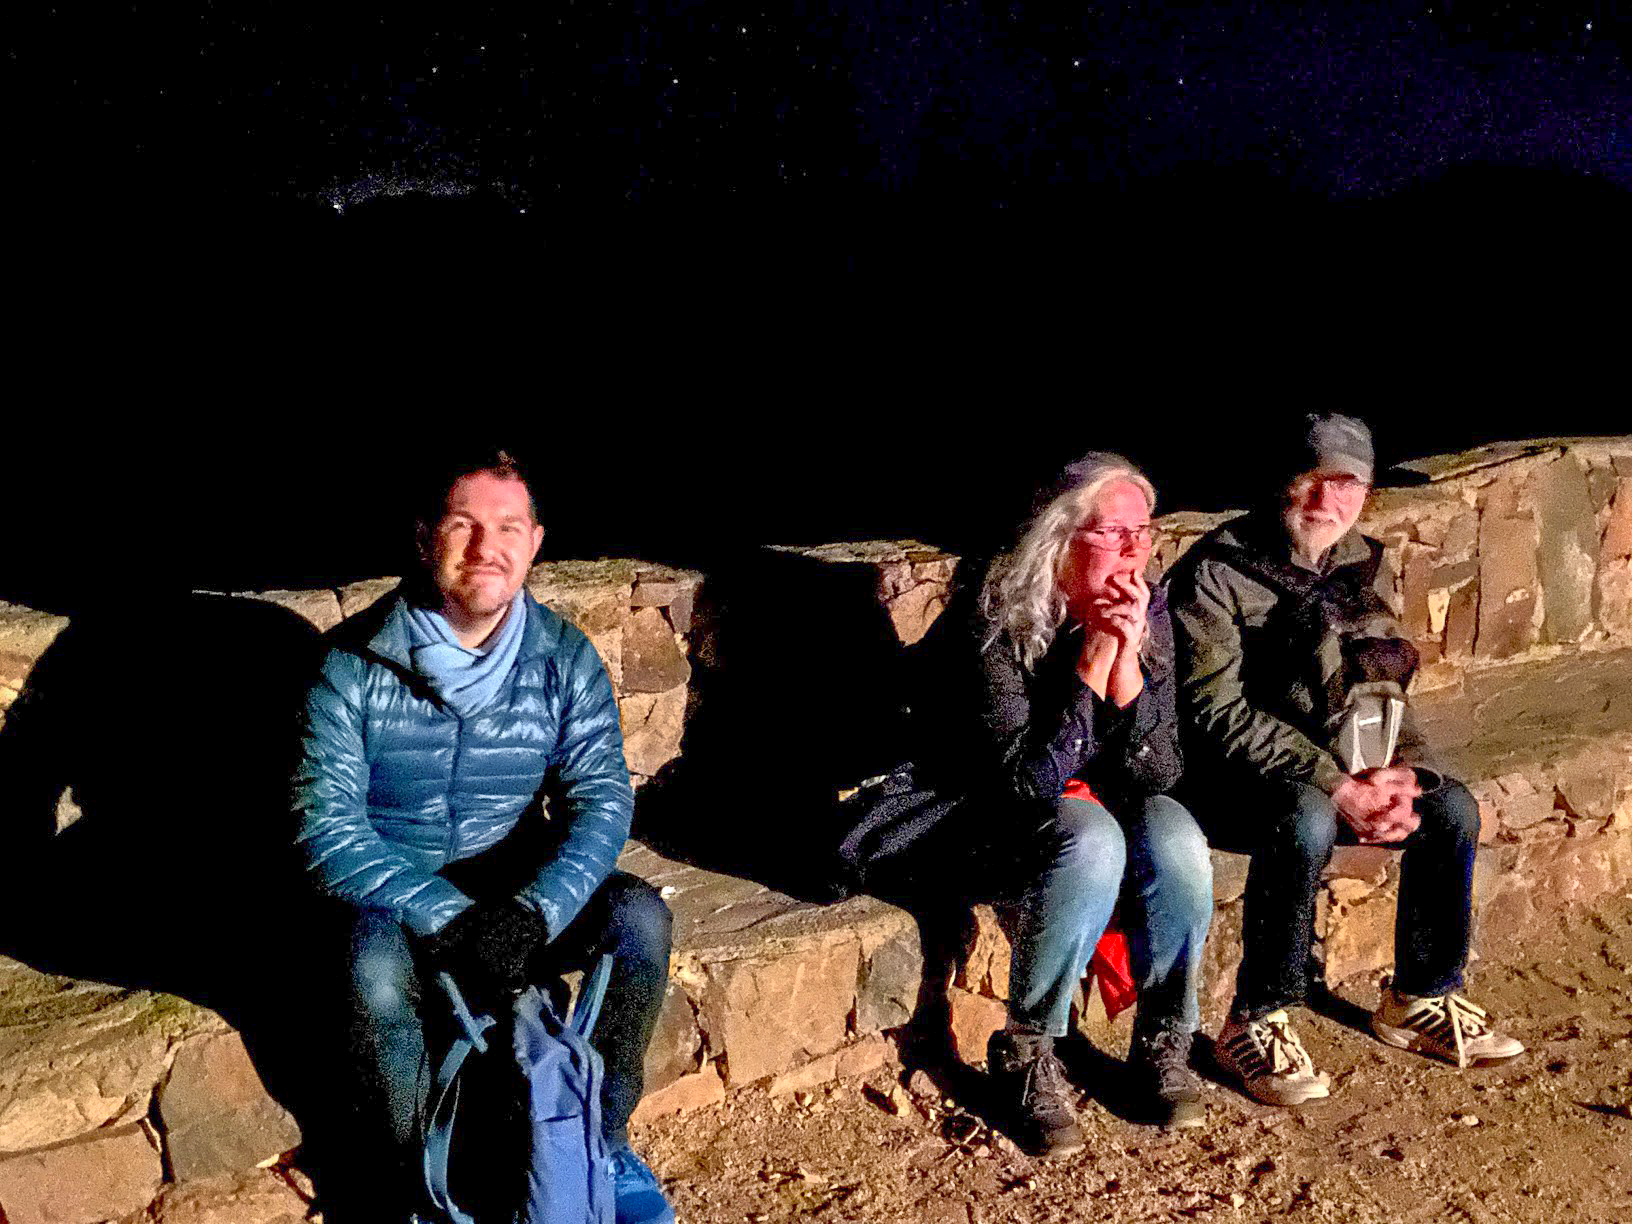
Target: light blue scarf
{"type": "Point", "coordinates": [467, 681]}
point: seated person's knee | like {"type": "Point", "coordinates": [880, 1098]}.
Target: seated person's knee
{"type": "Point", "coordinates": [1314, 823]}
{"type": "Point", "coordinates": [1453, 810]}
{"type": "Point", "coordinates": [641, 916]}
{"type": "Point", "coordinates": [1088, 841]}
{"type": "Point", "coordinates": [382, 985]}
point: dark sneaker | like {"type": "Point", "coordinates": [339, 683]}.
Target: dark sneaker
{"type": "Point", "coordinates": [636, 1195]}
{"type": "Point", "coordinates": [1033, 1094]}
{"type": "Point", "coordinates": [1268, 1058]}
{"type": "Point", "coordinates": [1160, 1064]}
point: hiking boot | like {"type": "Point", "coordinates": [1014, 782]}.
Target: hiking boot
{"type": "Point", "coordinates": [1269, 1060]}
{"type": "Point", "coordinates": [1032, 1094]}
{"type": "Point", "coordinates": [636, 1195]}
{"type": "Point", "coordinates": [1160, 1064]}
{"type": "Point", "coordinates": [1443, 1026]}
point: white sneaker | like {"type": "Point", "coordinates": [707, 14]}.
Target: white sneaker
{"type": "Point", "coordinates": [1270, 1061]}
{"type": "Point", "coordinates": [1442, 1026]}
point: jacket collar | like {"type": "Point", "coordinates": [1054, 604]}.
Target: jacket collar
{"type": "Point", "coordinates": [1263, 533]}
{"type": "Point", "coordinates": [539, 635]}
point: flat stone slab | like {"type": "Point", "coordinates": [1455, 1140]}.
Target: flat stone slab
{"type": "Point", "coordinates": [1501, 718]}
{"type": "Point", "coordinates": [775, 981]}
{"type": "Point", "coordinates": [723, 914]}
{"type": "Point", "coordinates": [112, 1173]}
{"type": "Point", "coordinates": [76, 1056]}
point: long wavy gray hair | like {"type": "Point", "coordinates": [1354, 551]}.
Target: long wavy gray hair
{"type": "Point", "coordinates": [1021, 597]}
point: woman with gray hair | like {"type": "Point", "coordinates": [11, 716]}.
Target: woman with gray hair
{"type": "Point", "coordinates": [1044, 739]}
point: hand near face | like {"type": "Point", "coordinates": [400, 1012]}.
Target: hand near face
{"type": "Point", "coordinates": [1122, 612]}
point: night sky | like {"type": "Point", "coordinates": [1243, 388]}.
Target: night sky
{"type": "Point", "coordinates": [730, 273]}
{"type": "Point", "coordinates": [579, 106]}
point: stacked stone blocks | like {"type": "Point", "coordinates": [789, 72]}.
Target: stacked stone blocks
{"type": "Point", "coordinates": [129, 1105]}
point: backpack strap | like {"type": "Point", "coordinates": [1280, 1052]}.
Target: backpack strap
{"type": "Point", "coordinates": [586, 1009]}
{"type": "Point", "coordinates": [445, 1101]}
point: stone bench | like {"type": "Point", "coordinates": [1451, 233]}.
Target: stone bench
{"type": "Point", "coordinates": [1513, 571]}
{"type": "Point", "coordinates": [769, 988]}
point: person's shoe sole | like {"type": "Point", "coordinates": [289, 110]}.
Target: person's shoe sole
{"type": "Point", "coordinates": [1409, 1039]}
{"type": "Point", "coordinates": [1053, 1151]}
{"type": "Point", "coordinates": [1043, 1147]}
{"type": "Point", "coordinates": [1184, 1115]}
{"type": "Point", "coordinates": [1289, 1094]}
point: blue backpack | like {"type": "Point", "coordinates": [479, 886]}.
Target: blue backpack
{"type": "Point", "coordinates": [568, 1173]}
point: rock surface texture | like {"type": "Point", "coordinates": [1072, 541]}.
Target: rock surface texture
{"type": "Point", "coordinates": [1511, 569]}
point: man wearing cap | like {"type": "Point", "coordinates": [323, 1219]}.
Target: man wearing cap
{"type": "Point", "coordinates": [1283, 639]}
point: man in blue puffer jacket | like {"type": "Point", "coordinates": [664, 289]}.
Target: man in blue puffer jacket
{"type": "Point", "coordinates": [463, 799]}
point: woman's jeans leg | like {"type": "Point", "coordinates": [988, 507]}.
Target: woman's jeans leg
{"type": "Point", "coordinates": [1060, 914]}
{"type": "Point", "coordinates": [1167, 910]}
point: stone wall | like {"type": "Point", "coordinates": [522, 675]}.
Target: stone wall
{"type": "Point", "coordinates": [1512, 554]}
{"type": "Point", "coordinates": [638, 615]}
{"type": "Point", "coordinates": [1511, 568]}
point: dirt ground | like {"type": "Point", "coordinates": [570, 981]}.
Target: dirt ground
{"type": "Point", "coordinates": [1547, 1137]}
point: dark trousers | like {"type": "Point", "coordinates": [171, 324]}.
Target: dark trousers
{"type": "Point", "coordinates": [1290, 830]}
{"type": "Point", "coordinates": [395, 1011]}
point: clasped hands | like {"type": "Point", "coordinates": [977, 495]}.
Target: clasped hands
{"type": "Point", "coordinates": [1377, 804]}
{"type": "Point", "coordinates": [1115, 624]}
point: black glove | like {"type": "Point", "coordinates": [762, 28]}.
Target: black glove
{"type": "Point", "coordinates": [487, 948]}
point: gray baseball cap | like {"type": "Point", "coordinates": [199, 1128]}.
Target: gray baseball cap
{"type": "Point", "coordinates": [1332, 442]}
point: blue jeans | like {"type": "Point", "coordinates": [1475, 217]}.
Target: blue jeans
{"type": "Point", "coordinates": [1155, 861]}
{"type": "Point", "coordinates": [1290, 830]}
{"type": "Point", "coordinates": [391, 1003]}
{"type": "Point", "coordinates": [1057, 872]}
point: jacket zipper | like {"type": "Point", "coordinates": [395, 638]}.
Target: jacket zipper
{"type": "Point", "coordinates": [453, 774]}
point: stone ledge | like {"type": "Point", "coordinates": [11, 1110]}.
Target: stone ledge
{"type": "Point", "coordinates": [768, 989]}
{"type": "Point", "coordinates": [1557, 813]}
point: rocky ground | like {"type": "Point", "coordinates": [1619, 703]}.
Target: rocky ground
{"type": "Point", "coordinates": [1546, 1138]}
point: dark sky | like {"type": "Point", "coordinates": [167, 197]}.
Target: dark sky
{"type": "Point", "coordinates": [569, 109]}
{"type": "Point", "coordinates": [736, 272]}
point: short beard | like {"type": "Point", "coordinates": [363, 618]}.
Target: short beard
{"type": "Point", "coordinates": [1311, 543]}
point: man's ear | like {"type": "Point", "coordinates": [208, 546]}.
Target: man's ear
{"type": "Point", "coordinates": [538, 543]}
{"type": "Point", "coordinates": [422, 541]}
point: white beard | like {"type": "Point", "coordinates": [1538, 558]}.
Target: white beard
{"type": "Point", "coordinates": [1312, 540]}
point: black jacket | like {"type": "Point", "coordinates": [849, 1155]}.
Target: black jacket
{"type": "Point", "coordinates": [1261, 667]}
{"type": "Point", "coordinates": [983, 730]}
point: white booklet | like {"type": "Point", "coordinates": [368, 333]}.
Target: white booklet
{"type": "Point", "coordinates": [1368, 731]}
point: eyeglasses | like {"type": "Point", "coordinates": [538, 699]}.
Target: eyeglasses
{"type": "Point", "coordinates": [1117, 539]}
{"type": "Point", "coordinates": [1341, 483]}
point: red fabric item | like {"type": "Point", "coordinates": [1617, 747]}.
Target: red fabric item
{"type": "Point", "coordinates": [1078, 790]}
{"type": "Point", "coordinates": [1110, 965]}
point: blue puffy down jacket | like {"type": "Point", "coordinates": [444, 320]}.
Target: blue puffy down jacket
{"type": "Point", "coordinates": [392, 787]}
